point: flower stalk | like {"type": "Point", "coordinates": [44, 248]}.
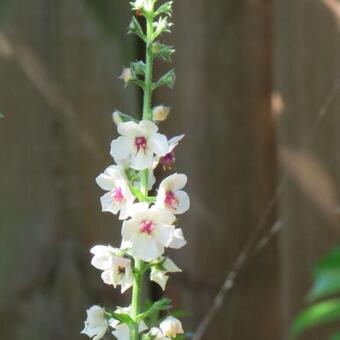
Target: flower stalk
{"type": "Point", "coordinates": [147, 115]}
{"type": "Point", "coordinates": [149, 223]}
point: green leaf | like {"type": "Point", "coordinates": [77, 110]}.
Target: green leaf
{"type": "Point", "coordinates": [167, 79]}
{"type": "Point", "coordinates": [162, 51]}
{"type": "Point", "coordinates": [135, 28]}
{"type": "Point", "coordinates": [166, 9]}
{"type": "Point", "coordinates": [137, 68]}
{"type": "Point", "coordinates": [327, 283]}
{"type": "Point", "coordinates": [158, 306]}
{"type": "Point", "coordinates": [121, 317]}
{"type": "Point", "coordinates": [316, 315]}
{"type": "Point", "coordinates": [329, 262]}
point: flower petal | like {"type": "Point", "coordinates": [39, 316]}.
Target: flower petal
{"type": "Point", "coordinates": [121, 148]}
{"type": "Point", "coordinates": [146, 248]}
{"type": "Point", "coordinates": [109, 204]}
{"type": "Point", "coordinates": [164, 234]}
{"type": "Point", "coordinates": [149, 127]}
{"type": "Point", "coordinates": [178, 240]}
{"type": "Point", "coordinates": [183, 202]}
{"type": "Point", "coordinates": [158, 144]}
{"type": "Point", "coordinates": [128, 129]}
{"type": "Point", "coordinates": [105, 182]}
{"type": "Point", "coordinates": [142, 160]}
{"type": "Point", "coordinates": [174, 182]}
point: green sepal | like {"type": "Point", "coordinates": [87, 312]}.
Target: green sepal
{"type": "Point", "coordinates": [137, 68]}
{"type": "Point", "coordinates": [163, 304]}
{"type": "Point", "coordinates": [162, 51]}
{"type": "Point", "coordinates": [123, 318]}
{"type": "Point", "coordinates": [150, 199]}
{"type": "Point", "coordinates": [139, 82]}
{"type": "Point", "coordinates": [136, 28]}
{"type": "Point", "coordinates": [126, 118]}
{"type": "Point", "coordinates": [137, 193]}
{"type": "Point", "coordinates": [166, 9]}
{"type": "Point", "coordinates": [167, 79]}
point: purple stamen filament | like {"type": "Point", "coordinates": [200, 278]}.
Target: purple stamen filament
{"type": "Point", "coordinates": [140, 143]}
{"type": "Point", "coordinates": [146, 227]}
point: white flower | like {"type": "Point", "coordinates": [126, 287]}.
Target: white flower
{"type": "Point", "coordinates": [119, 196]}
{"type": "Point", "coordinates": [169, 159]}
{"type": "Point", "coordinates": [116, 269]}
{"type": "Point", "coordinates": [122, 331]}
{"type": "Point", "coordinates": [145, 5]}
{"type": "Point", "coordinates": [160, 113]}
{"type": "Point", "coordinates": [171, 327]}
{"type": "Point", "coordinates": [171, 197]}
{"type": "Point", "coordinates": [159, 275]}
{"type": "Point", "coordinates": [157, 334]}
{"type": "Point", "coordinates": [126, 75]}
{"type": "Point", "coordinates": [149, 231]}
{"type": "Point", "coordinates": [96, 323]}
{"type": "Point", "coordinates": [140, 143]}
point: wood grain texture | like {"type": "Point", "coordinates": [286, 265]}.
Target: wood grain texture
{"type": "Point", "coordinates": [221, 102]}
{"type": "Point", "coordinates": [61, 87]}
{"type": "Point", "coordinates": [308, 82]}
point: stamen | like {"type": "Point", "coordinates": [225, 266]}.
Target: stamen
{"type": "Point", "coordinates": [140, 143]}
{"type": "Point", "coordinates": [146, 227]}
{"type": "Point", "coordinates": [171, 200]}
{"type": "Point", "coordinates": [118, 195]}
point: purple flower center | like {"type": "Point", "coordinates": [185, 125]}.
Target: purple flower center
{"type": "Point", "coordinates": [140, 143]}
{"type": "Point", "coordinates": [170, 199]}
{"type": "Point", "coordinates": [118, 195]}
{"type": "Point", "coordinates": [168, 160]}
{"type": "Point", "coordinates": [146, 227]}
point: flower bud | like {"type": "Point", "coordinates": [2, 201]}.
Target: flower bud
{"type": "Point", "coordinates": [171, 327]}
{"type": "Point", "coordinates": [126, 75]}
{"type": "Point", "coordinates": [160, 113]}
{"type": "Point", "coordinates": [117, 118]}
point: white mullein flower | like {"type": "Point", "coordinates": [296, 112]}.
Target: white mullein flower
{"type": "Point", "coordinates": [149, 231]}
{"type": "Point", "coordinates": [171, 327]}
{"type": "Point", "coordinates": [96, 323]}
{"type": "Point", "coordinates": [159, 275]}
{"type": "Point", "coordinates": [171, 197]}
{"type": "Point", "coordinates": [121, 330]}
{"type": "Point", "coordinates": [145, 5]}
{"type": "Point", "coordinates": [119, 197]}
{"type": "Point", "coordinates": [140, 143]}
{"type": "Point", "coordinates": [168, 160]}
{"type": "Point", "coordinates": [116, 269]}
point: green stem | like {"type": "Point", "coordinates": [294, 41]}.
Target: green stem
{"type": "Point", "coordinates": [147, 114]}
{"type": "Point", "coordinates": [136, 296]}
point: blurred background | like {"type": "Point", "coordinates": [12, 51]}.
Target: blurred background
{"type": "Point", "coordinates": [258, 97]}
